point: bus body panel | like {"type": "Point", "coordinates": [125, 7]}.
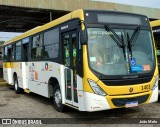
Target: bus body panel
{"type": "Point", "coordinates": [25, 75]}
{"type": "Point", "coordinates": [17, 69]}
{"type": "Point", "coordinates": [98, 103]}
{"type": "Point", "coordinates": [95, 102]}
{"type": "Point", "coordinates": [154, 96]}
{"type": "Point", "coordinates": [81, 97]}
{"type": "Point", "coordinates": [155, 23]}
{"type": "Point", "coordinates": [122, 90]}
{"type": "Point", "coordinates": [7, 72]}
{"type": "Point", "coordinates": [156, 34]}
{"type": "Point", "coordinates": [39, 75]}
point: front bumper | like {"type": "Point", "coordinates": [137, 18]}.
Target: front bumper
{"type": "Point", "coordinates": [95, 102]}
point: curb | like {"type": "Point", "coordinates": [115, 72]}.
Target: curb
{"type": "Point", "coordinates": [3, 84]}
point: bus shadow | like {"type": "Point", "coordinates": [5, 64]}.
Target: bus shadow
{"type": "Point", "coordinates": [112, 116]}
{"type": "Point", "coordinates": [91, 117]}
{"type": "Point", "coordinates": [39, 98]}
{"type": "Point", "coordinates": [112, 113]}
{"type": "Point", "coordinates": [116, 113]}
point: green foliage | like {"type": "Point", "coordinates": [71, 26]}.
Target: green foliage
{"type": "Point", "coordinates": [1, 42]}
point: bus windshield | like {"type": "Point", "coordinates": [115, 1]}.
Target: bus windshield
{"type": "Point", "coordinates": [109, 55]}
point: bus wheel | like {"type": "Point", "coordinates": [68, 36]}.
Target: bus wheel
{"type": "Point", "coordinates": [57, 99]}
{"type": "Point", "coordinates": [16, 86]}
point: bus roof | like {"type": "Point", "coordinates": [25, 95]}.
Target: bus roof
{"type": "Point", "coordinates": [75, 14]}
{"type": "Point", "coordinates": [72, 15]}
{"type": "Point", "coordinates": [155, 23]}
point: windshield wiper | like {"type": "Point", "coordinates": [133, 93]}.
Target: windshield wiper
{"type": "Point", "coordinates": [132, 40]}
{"type": "Point", "coordinates": [119, 41]}
{"type": "Point", "coordinates": [129, 45]}
{"type": "Point", "coordinates": [134, 36]}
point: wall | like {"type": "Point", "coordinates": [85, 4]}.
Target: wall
{"type": "Point", "coordinates": [70, 5]}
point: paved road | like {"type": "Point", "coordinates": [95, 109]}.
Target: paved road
{"type": "Point", "coordinates": [14, 105]}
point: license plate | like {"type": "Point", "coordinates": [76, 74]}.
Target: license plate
{"type": "Point", "coordinates": [131, 104]}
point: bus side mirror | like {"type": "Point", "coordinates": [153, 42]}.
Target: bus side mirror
{"type": "Point", "coordinates": [83, 37]}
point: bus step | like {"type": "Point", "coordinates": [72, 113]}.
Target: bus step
{"type": "Point", "coordinates": [27, 90]}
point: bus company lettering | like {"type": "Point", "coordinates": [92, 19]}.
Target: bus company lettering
{"type": "Point", "coordinates": [64, 27]}
{"type": "Point", "coordinates": [94, 32]}
{"type": "Point", "coordinates": [130, 77]}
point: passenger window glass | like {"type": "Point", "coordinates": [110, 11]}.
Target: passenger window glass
{"type": "Point", "coordinates": [51, 44]}
{"type": "Point", "coordinates": [18, 50]}
{"type": "Point", "coordinates": [5, 53]}
{"type": "Point", "coordinates": [37, 44]}
{"type": "Point", "coordinates": [66, 50]}
{"type": "Point", "coordinates": [9, 53]}
{"type": "Point", "coordinates": [13, 52]}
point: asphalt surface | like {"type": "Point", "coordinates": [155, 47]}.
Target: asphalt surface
{"type": "Point", "coordinates": [25, 105]}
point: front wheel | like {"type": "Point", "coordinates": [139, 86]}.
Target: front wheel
{"type": "Point", "coordinates": [57, 99]}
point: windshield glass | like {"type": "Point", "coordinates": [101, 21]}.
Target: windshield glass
{"type": "Point", "coordinates": [108, 57]}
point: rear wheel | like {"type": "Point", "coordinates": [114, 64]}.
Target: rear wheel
{"type": "Point", "coordinates": [57, 99]}
{"type": "Point", "coordinates": [16, 86]}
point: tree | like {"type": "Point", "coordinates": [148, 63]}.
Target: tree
{"type": "Point", "coordinates": [1, 42]}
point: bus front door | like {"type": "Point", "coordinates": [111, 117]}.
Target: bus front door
{"type": "Point", "coordinates": [69, 52]}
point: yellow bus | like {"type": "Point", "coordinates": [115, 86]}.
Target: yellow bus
{"type": "Point", "coordinates": [156, 32]}
{"type": "Point", "coordinates": [89, 60]}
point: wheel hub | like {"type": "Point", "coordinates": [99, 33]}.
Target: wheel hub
{"type": "Point", "coordinates": [58, 98]}
{"type": "Point", "coordinates": [16, 86]}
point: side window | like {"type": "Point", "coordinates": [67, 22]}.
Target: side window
{"type": "Point", "coordinates": [18, 51]}
{"type": "Point", "coordinates": [37, 43]}
{"type": "Point", "coordinates": [9, 55]}
{"type": "Point", "coordinates": [5, 53]}
{"type": "Point", "coordinates": [66, 41]}
{"type": "Point", "coordinates": [13, 52]}
{"type": "Point", "coordinates": [51, 44]}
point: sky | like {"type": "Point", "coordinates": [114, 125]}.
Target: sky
{"type": "Point", "coordinates": [144, 3]}
{"type": "Point", "coordinates": [4, 36]}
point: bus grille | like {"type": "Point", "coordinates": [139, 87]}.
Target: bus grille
{"type": "Point", "coordinates": [120, 102]}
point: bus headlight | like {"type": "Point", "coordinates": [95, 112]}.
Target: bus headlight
{"type": "Point", "coordinates": [155, 82]}
{"type": "Point", "coordinates": [97, 89]}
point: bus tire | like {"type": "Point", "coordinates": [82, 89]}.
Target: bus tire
{"type": "Point", "coordinates": [57, 99]}
{"type": "Point", "coordinates": [16, 86]}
